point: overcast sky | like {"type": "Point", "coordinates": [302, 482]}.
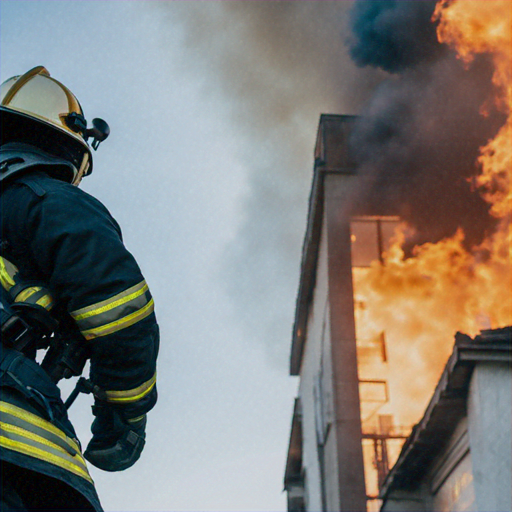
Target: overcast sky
{"type": "Point", "coordinates": [213, 109]}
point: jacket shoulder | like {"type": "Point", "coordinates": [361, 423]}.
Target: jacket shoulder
{"type": "Point", "coordinates": [38, 183]}
{"type": "Point", "coordinates": [50, 190]}
{"type": "Point", "coordinates": [36, 198]}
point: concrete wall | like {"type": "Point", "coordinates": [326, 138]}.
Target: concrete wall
{"type": "Point", "coordinates": [450, 479]}
{"type": "Point", "coordinates": [490, 435]}
{"type": "Point", "coordinates": [315, 392]}
{"type": "Point", "coordinates": [339, 189]}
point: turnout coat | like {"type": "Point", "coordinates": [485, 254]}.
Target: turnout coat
{"type": "Point", "coordinates": [57, 235]}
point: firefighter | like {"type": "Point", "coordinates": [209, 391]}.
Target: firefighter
{"type": "Point", "coordinates": [67, 275]}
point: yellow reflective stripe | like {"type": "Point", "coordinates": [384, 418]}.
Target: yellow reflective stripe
{"type": "Point", "coordinates": [21, 432]}
{"type": "Point", "coordinates": [26, 426]}
{"type": "Point", "coordinates": [7, 273]}
{"type": "Point", "coordinates": [120, 324]}
{"type": "Point", "coordinates": [35, 295]}
{"type": "Point", "coordinates": [132, 395]}
{"type": "Point", "coordinates": [26, 293]}
{"type": "Point", "coordinates": [108, 304]}
{"type": "Point", "coordinates": [44, 455]}
{"type": "Point", "coordinates": [34, 444]}
{"type": "Point", "coordinates": [46, 302]}
{"type": "Point", "coordinates": [29, 435]}
{"type": "Point", "coordinates": [115, 313]}
{"type": "Point", "coordinates": [22, 414]}
{"type": "Point", "coordinates": [137, 419]}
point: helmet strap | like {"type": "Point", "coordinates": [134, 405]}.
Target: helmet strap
{"type": "Point", "coordinates": [84, 167]}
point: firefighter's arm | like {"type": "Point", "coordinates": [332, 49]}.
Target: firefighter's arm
{"type": "Point", "coordinates": [119, 427]}
{"type": "Point", "coordinates": [78, 244]}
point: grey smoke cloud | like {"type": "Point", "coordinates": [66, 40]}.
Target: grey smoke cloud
{"type": "Point", "coordinates": [279, 65]}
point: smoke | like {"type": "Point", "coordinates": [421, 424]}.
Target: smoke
{"type": "Point", "coordinates": [393, 35]}
{"type": "Point", "coordinates": [276, 66]}
{"type": "Point", "coordinates": [419, 136]}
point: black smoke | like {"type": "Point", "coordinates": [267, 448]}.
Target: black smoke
{"type": "Point", "coordinates": [392, 34]}
{"type": "Point", "coordinates": [418, 138]}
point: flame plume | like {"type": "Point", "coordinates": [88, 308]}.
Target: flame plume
{"type": "Point", "coordinates": [414, 305]}
{"type": "Point", "coordinates": [485, 27]}
{"type": "Point", "coordinates": [421, 301]}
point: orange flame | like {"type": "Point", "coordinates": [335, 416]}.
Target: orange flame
{"type": "Point", "coordinates": [474, 26]}
{"type": "Point", "coordinates": [421, 301]}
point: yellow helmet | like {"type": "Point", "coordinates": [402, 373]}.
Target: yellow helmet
{"type": "Point", "coordinates": [39, 110]}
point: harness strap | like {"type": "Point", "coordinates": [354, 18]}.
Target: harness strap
{"type": "Point", "coordinates": [24, 375]}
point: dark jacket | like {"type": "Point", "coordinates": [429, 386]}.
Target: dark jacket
{"type": "Point", "coordinates": [58, 235]}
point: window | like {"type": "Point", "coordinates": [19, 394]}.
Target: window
{"type": "Point", "coordinates": [371, 237]}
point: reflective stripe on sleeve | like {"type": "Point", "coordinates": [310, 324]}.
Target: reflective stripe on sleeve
{"type": "Point", "coordinates": [26, 433]}
{"type": "Point", "coordinates": [35, 295]}
{"type": "Point", "coordinates": [116, 313]}
{"type": "Point", "coordinates": [131, 395]}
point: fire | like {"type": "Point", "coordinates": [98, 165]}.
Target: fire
{"type": "Point", "coordinates": [420, 302]}
{"type": "Point", "coordinates": [474, 26]}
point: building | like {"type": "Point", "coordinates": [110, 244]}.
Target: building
{"type": "Point", "coordinates": [325, 462]}
{"type": "Point", "coordinates": [458, 456]}
{"type": "Point", "coordinates": [345, 436]}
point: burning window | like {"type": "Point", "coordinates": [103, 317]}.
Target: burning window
{"type": "Point", "coordinates": [373, 391]}
{"type": "Point", "coordinates": [371, 238]}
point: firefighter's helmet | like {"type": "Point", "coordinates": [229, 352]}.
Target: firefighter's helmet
{"type": "Point", "coordinates": [39, 110]}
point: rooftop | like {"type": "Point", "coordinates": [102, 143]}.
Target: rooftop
{"type": "Point", "coordinates": [447, 406]}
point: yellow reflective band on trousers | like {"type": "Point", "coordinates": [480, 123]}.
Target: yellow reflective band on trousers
{"type": "Point", "coordinates": [35, 295]}
{"type": "Point", "coordinates": [116, 313]}
{"type": "Point", "coordinates": [132, 395]}
{"type": "Point", "coordinates": [7, 273]}
{"type": "Point", "coordinates": [24, 432]}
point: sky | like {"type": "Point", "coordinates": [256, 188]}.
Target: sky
{"type": "Point", "coordinates": [213, 109]}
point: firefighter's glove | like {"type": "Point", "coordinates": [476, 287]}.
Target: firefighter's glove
{"type": "Point", "coordinates": [116, 442]}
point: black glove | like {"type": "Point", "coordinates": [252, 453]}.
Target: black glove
{"type": "Point", "coordinates": [116, 442]}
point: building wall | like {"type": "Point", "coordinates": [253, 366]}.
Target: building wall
{"type": "Point", "coordinates": [457, 491]}
{"type": "Point", "coordinates": [324, 351]}
{"type": "Point", "coordinates": [490, 436]}
{"type": "Point", "coordinates": [332, 451]}
{"type": "Point", "coordinates": [405, 502]}
{"type": "Point", "coordinates": [339, 190]}
{"type": "Point", "coordinates": [315, 393]}
{"type": "Point", "coordinates": [450, 480]}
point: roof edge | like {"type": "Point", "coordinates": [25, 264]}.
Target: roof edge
{"type": "Point", "coordinates": [450, 395]}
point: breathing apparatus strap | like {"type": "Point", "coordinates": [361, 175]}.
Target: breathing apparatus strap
{"type": "Point", "coordinates": [28, 325]}
{"type": "Point", "coordinates": [16, 333]}
{"type": "Point", "coordinates": [17, 158]}
{"type": "Point", "coordinates": [62, 361]}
